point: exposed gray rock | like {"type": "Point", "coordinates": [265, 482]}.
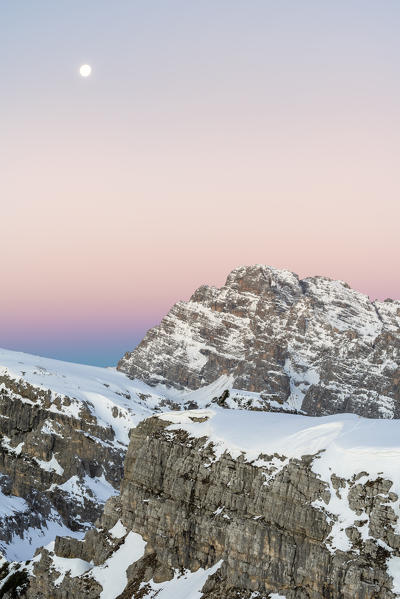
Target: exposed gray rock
{"type": "Point", "coordinates": [63, 438]}
{"type": "Point", "coordinates": [40, 450]}
{"type": "Point", "coordinates": [194, 510]}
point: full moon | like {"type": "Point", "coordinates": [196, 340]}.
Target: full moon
{"type": "Point", "coordinates": [85, 70]}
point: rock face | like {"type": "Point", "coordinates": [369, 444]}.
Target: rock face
{"type": "Point", "coordinates": [253, 526]}
{"type": "Point", "coordinates": [45, 458]}
{"type": "Point", "coordinates": [63, 438]}
{"type": "Point", "coordinates": [313, 345]}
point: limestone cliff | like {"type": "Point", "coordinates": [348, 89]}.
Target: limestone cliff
{"type": "Point", "coordinates": [202, 508]}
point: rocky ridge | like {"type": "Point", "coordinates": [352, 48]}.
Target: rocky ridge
{"type": "Point", "coordinates": [201, 509]}
{"type": "Point", "coordinates": [313, 345]}
{"type": "Point", "coordinates": [63, 439]}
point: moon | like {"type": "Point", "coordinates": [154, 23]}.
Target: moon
{"type": "Point", "coordinates": [85, 70]}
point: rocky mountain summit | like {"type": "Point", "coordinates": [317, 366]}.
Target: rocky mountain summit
{"type": "Point", "coordinates": [313, 346]}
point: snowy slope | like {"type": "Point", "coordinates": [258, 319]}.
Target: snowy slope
{"type": "Point", "coordinates": [105, 391]}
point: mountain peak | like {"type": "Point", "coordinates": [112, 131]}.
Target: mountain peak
{"type": "Point", "coordinates": [314, 345]}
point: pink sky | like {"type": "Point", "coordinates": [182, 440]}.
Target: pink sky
{"type": "Point", "coordinates": [191, 150]}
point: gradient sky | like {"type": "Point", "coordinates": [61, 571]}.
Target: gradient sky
{"type": "Point", "coordinates": [211, 134]}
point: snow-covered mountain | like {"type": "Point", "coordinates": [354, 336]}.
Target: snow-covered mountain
{"type": "Point", "coordinates": [313, 345]}
{"type": "Point", "coordinates": [228, 457]}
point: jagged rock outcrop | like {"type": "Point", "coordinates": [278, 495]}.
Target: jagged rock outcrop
{"type": "Point", "coordinates": [314, 345]}
{"type": "Point", "coordinates": [63, 438]}
{"type": "Point", "coordinates": [251, 525]}
{"type": "Point", "coordinates": [46, 457]}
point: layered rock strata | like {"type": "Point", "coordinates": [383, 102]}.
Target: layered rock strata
{"type": "Point", "coordinates": [260, 526]}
